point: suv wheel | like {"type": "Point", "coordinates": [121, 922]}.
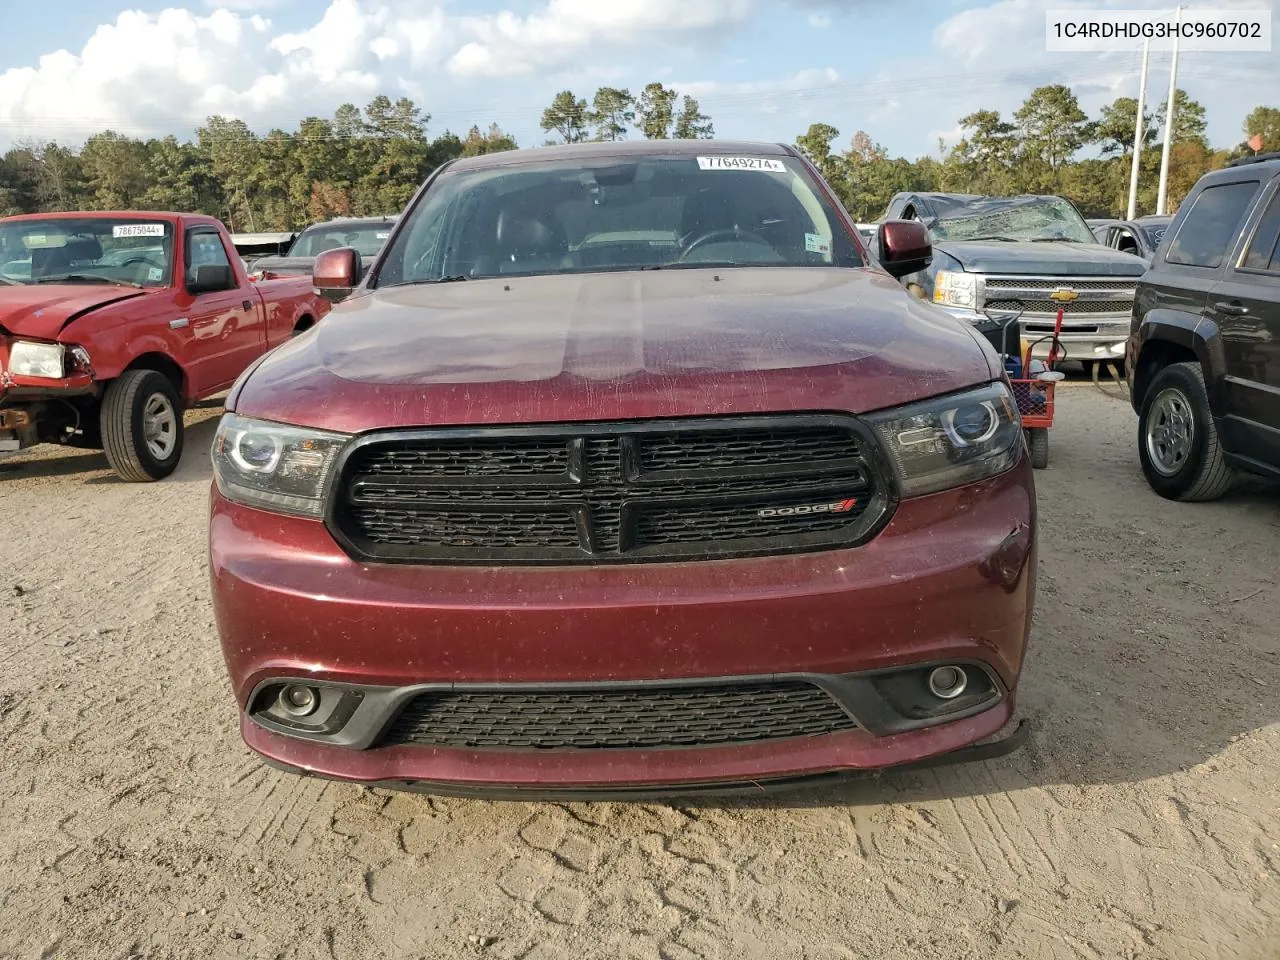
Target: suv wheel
{"type": "Point", "coordinates": [1177, 440]}
{"type": "Point", "coordinates": [142, 426]}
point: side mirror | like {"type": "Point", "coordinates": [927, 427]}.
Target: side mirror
{"type": "Point", "coordinates": [904, 247]}
{"type": "Point", "coordinates": [211, 278]}
{"type": "Point", "coordinates": [336, 273]}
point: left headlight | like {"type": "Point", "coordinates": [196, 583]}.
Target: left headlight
{"type": "Point", "coordinates": [28, 359]}
{"type": "Point", "coordinates": [272, 466]}
{"type": "Point", "coordinates": [955, 289]}
{"type": "Point", "coordinates": [951, 441]}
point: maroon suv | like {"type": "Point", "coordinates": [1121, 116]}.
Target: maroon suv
{"type": "Point", "coordinates": [622, 469]}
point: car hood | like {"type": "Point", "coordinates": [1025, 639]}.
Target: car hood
{"type": "Point", "coordinates": [41, 312]}
{"type": "Point", "coordinates": [1044, 259]}
{"type": "Point", "coordinates": [617, 346]}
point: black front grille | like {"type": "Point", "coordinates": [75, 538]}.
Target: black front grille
{"type": "Point", "coordinates": [1069, 308]}
{"type": "Point", "coordinates": [692, 715]}
{"type": "Point", "coordinates": [609, 492]}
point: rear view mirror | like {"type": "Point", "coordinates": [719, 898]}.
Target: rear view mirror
{"type": "Point", "coordinates": [210, 278]}
{"type": "Point", "coordinates": [336, 273]}
{"type": "Point", "coordinates": [904, 246]}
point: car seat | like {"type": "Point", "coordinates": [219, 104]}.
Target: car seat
{"type": "Point", "coordinates": [530, 244]}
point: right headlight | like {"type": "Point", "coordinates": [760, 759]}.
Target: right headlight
{"type": "Point", "coordinates": [273, 466]}
{"type": "Point", "coordinates": [950, 441]}
{"type": "Point", "coordinates": [28, 358]}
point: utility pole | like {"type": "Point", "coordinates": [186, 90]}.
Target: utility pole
{"type": "Point", "coordinates": [1168, 120]}
{"type": "Point", "coordinates": [1139, 133]}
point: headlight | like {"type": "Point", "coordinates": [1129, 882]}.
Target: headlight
{"type": "Point", "coordinates": [272, 466]}
{"type": "Point", "coordinates": [951, 441]}
{"type": "Point", "coordinates": [954, 289]}
{"type": "Point", "coordinates": [28, 359]}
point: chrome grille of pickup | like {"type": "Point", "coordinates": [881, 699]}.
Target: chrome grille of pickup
{"type": "Point", "coordinates": [599, 493]}
{"type": "Point", "coordinates": [1100, 299]}
{"type": "Point", "coordinates": [653, 717]}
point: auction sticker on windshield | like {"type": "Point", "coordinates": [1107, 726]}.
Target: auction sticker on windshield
{"type": "Point", "coordinates": [742, 163]}
{"type": "Point", "coordinates": [137, 230]}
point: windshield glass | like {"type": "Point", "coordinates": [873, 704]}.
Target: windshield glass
{"type": "Point", "coordinates": [1017, 218]}
{"type": "Point", "coordinates": [561, 217]}
{"type": "Point", "coordinates": [1154, 229]}
{"type": "Point", "coordinates": [88, 250]}
{"type": "Point", "coordinates": [367, 240]}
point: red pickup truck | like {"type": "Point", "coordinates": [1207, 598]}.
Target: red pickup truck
{"type": "Point", "coordinates": [111, 323]}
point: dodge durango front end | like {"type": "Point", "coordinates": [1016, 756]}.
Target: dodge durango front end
{"type": "Point", "coordinates": [623, 469]}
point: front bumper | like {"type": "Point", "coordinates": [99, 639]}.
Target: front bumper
{"type": "Point", "coordinates": [1084, 338]}
{"type": "Point", "coordinates": [950, 579]}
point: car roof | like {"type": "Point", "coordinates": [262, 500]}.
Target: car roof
{"type": "Point", "coordinates": [985, 196]}
{"type": "Point", "coordinates": [169, 215]}
{"type": "Point", "coordinates": [1264, 166]}
{"type": "Point", "coordinates": [622, 149]}
{"type": "Point", "coordinates": [352, 222]}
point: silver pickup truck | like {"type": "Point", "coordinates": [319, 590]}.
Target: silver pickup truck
{"type": "Point", "coordinates": [1032, 254]}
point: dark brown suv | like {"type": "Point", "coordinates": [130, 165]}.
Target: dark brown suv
{"type": "Point", "coordinates": [1204, 351]}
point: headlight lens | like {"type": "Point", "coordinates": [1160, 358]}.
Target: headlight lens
{"type": "Point", "coordinates": [272, 466]}
{"type": "Point", "coordinates": [951, 441]}
{"type": "Point", "coordinates": [27, 359]}
{"type": "Point", "coordinates": [956, 289]}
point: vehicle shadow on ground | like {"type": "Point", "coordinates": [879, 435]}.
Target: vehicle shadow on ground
{"type": "Point", "coordinates": [50, 461]}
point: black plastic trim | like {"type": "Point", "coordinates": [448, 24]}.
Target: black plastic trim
{"type": "Point", "coordinates": [869, 522]}
{"type": "Point", "coordinates": [855, 693]}
{"type": "Point", "coordinates": [1003, 744]}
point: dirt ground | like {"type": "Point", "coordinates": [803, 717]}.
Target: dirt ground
{"type": "Point", "coordinates": [1143, 819]}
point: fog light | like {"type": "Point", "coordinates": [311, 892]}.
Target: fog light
{"type": "Point", "coordinates": [299, 701]}
{"type": "Point", "coordinates": [947, 683]}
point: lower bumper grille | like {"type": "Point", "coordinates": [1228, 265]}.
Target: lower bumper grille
{"type": "Point", "coordinates": [622, 718]}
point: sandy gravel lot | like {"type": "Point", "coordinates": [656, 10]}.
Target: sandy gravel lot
{"type": "Point", "coordinates": [1143, 820]}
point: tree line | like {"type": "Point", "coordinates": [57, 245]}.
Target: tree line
{"type": "Point", "coordinates": [1035, 150]}
{"type": "Point", "coordinates": [370, 160]}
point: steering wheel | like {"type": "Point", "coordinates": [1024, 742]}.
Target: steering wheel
{"type": "Point", "coordinates": [149, 263]}
{"type": "Point", "coordinates": [731, 233]}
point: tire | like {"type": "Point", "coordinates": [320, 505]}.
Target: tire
{"type": "Point", "coordinates": [1178, 441]}
{"type": "Point", "coordinates": [141, 425]}
{"type": "Point", "coordinates": [1038, 437]}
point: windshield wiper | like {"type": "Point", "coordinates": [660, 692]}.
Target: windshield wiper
{"type": "Point", "coordinates": [972, 239]}
{"type": "Point", "coordinates": [1056, 240]}
{"type": "Point", "coordinates": [87, 278]}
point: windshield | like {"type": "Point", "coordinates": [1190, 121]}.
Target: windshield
{"type": "Point", "coordinates": [367, 240]}
{"type": "Point", "coordinates": [1155, 230]}
{"type": "Point", "coordinates": [89, 250]}
{"type": "Point", "coordinates": [563, 217]}
{"type": "Point", "coordinates": [1017, 218]}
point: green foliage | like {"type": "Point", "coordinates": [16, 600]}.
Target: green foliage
{"type": "Point", "coordinates": [655, 111]}
{"type": "Point", "coordinates": [1189, 122]}
{"type": "Point", "coordinates": [1264, 121]}
{"type": "Point", "coordinates": [568, 117]}
{"type": "Point", "coordinates": [613, 110]}
{"type": "Point", "coordinates": [366, 161]}
{"type": "Point", "coordinates": [692, 123]}
{"type": "Point", "coordinates": [371, 160]}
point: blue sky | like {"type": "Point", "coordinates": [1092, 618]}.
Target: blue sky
{"type": "Point", "coordinates": [905, 71]}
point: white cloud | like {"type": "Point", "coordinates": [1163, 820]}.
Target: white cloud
{"type": "Point", "coordinates": [157, 73]}
{"type": "Point", "coordinates": [504, 43]}
{"type": "Point", "coordinates": [819, 21]}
